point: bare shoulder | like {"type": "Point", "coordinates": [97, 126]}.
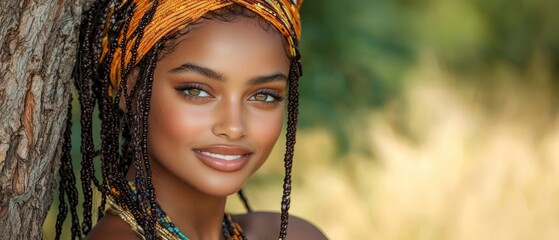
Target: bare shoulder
{"type": "Point", "coordinates": [112, 227]}
{"type": "Point", "coordinates": [266, 225]}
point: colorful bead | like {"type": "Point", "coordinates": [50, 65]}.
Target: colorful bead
{"type": "Point", "coordinates": [165, 228]}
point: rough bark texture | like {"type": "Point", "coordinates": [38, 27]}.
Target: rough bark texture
{"type": "Point", "coordinates": [38, 42]}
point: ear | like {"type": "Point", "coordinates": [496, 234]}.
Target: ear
{"type": "Point", "coordinates": [130, 82]}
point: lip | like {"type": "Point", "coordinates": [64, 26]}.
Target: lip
{"type": "Point", "coordinates": [224, 158]}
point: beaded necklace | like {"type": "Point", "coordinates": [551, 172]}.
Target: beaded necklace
{"type": "Point", "coordinates": [165, 229]}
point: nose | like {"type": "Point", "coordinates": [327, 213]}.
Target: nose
{"type": "Point", "coordinates": [230, 121]}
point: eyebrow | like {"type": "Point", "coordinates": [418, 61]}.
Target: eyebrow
{"type": "Point", "coordinates": [266, 79]}
{"type": "Point", "coordinates": [189, 67]}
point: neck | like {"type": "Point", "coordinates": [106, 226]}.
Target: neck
{"type": "Point", "coordinates": [197, 214]}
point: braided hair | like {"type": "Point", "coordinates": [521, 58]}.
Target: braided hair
{"type": "Point", "coordinates": [124, 128]}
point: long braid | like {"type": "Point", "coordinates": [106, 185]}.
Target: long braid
{"type": "Point", "coordinates": [89, 90]}
{"type": "Point", "coordinates": [139, 127]}
{"type": "Point", "coordinates": [108, 116]}
{"type": "Point", "coordinates": [149, 183]}
{"type": "Point", "coordinates": [131, 145]}
{"type": "Point", "coordinates": [113, 173]}
{"type": "Point", "coordinates": [141, 162]}
{"type": "Point", "coordinates": [244, 199]}
{"type": "Point", "coordinates": [292, 109]}
{"type": "Point", "coordinates": [71, 179]}
{"type": "Point", "coordinates": [62, 208]}
{"type": "Point", "coordinates": [84, 70]}
{"type": "Point", "coordinates": [86, 105]}
{"type": "Point", "coordinates": [67, 184]}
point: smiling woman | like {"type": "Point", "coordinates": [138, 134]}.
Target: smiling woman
{"type": "Point", "coordinates": [193, 93]}
{"type": "Point", "coordinates": [211, 124]}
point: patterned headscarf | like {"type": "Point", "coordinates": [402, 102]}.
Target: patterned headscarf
{"type": "Point", "coordinates": [172, 16]}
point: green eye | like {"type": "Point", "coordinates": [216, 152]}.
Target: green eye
{"type": "Point", "coordinates": [193, 92]}
{"type": "Point", "coordinates": [196, 92]}
{"type": "Point", "coordinates": [263, 97]}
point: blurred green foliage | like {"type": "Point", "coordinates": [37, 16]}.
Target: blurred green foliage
{"type": "Point", "coordinates": [356, 53]}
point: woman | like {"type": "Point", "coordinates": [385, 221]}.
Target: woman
{"type": "Point", "coordinates": [193, 95]}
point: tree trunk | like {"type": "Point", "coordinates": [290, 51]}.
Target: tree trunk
{"type": "Point", "coordinates": [38, 42]}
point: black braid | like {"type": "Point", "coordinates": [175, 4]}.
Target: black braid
{"type": "Point", "coordinates": [149, 183]}
{"type": "Point", "coordinates": [62, 208]}
{"type": "Point", "coordinates": [91, 85]}
{"type": "Point", "coordinates": [113, 174]}
{"type": "Point", "coordinates": [144, 183]}
{"type": "Point", "coordinates": [292, 109]}
{"type": "Point", "coordinates": [131, 146]}
{"type": "Point", "coordinates": [84, 68]}
{"type": "Point", "coordinates": [244, 199]}
{"type": "Point", "coordinates": [67, 183]}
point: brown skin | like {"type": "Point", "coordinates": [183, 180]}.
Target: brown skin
{"type": "Point", "coordinates": [212, 94]}
{"type": "Point", "coordinates": [257, 226]}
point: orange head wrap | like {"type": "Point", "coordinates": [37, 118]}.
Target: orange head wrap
{"type": "Point", "coordinates": [171, 16]}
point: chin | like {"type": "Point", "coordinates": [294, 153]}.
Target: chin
{"type": "Point", "coordinates": [222, 191]}
{"type": "Point", "coordinates": [222, 186]}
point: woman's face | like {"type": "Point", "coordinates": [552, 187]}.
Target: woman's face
{"type": "Point", "coordinates": [217, 106]}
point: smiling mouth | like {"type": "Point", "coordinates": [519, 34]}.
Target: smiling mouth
{"type": "Point", "coordinates": [222, 156]}
{"type": "Point", "coordinates": [225, 158]}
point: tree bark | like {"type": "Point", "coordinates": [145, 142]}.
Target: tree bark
{"type": "Point", "coordinates": [38, 42]}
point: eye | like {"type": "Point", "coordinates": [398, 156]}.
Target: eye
{"type": "Point", "coordinates": [263, 98]}
{"type": "Point", "coordinates": [266, 96]}
{"type": "Point", "coordinates": [196, 92]}
{"type": "Point", "coordinates": [193, 91]}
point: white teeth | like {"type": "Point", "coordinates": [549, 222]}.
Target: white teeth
{"type": "Point", "coordinates": [220, 156]}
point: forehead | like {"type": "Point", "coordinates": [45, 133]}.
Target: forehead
{"type": "Point", "coordinates": [230, 44]}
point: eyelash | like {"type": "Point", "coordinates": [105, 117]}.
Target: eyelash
{"type": "Point", "coordinates": [277, 98]}
{"type": "Point", "coordinates": [189, 86]}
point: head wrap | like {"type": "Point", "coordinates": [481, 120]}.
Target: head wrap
{"type": "Point", "coordinates": [171, 16]}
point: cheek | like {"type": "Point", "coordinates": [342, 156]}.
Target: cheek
{"type": "Point", "coordinates": [171, 122]}
{"type": "Point", "coordinates": [266, 128]}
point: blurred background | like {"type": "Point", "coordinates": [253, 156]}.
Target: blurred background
{"type": "Point", "coordinates": [428, 119]}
